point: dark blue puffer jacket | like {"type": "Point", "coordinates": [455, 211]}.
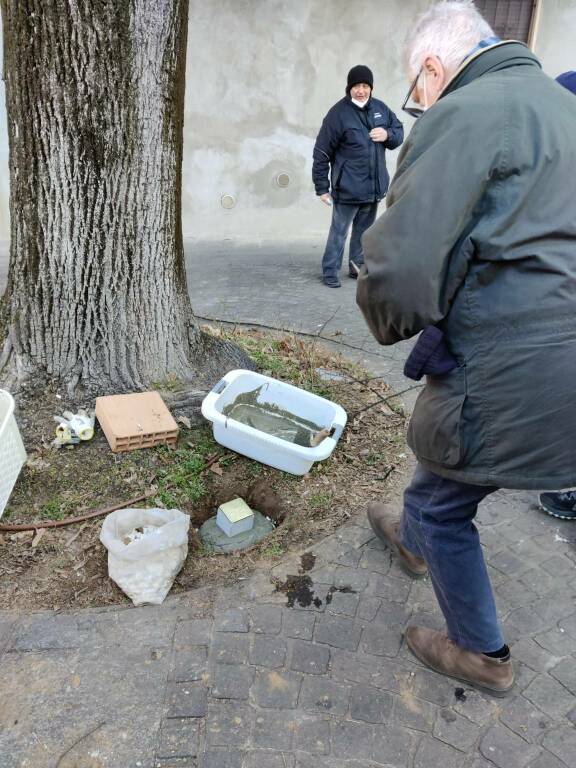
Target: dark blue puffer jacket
{"type": "Point", "coordinates": [357, 164]}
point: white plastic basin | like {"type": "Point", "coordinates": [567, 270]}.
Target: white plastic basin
{"type": "Point", "coordinates": [269, 449]}
{"type": "Point", "coordinates": [12, 453]}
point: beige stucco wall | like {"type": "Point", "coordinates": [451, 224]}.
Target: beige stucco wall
{"type": "Point", "coordinates": [261, 75]}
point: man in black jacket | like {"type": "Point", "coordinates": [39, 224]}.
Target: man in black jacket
{"type": "Point", "coordinates": [352, 143]}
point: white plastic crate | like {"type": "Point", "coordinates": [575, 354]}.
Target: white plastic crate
{"type": "Point", "coordinates": [263, 447]}
{"type": "Point", "coordinates": [12, 453]}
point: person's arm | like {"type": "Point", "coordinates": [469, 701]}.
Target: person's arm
{"type": "Point", "coordinates": [417, 253]}
{"type": "Point", "coordinates": [395, 132]}
{"type": "Point", "coordinates": [326, 143]}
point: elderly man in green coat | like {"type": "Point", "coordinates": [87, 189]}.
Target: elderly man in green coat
{"type": "Point", "coordinates": [477, 248]}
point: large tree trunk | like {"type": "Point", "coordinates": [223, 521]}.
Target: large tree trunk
{"type": "Point", "coordinates": [97, 293]}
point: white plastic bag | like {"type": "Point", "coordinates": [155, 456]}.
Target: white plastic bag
{"type": "Point", "coordinates": [146, 550]}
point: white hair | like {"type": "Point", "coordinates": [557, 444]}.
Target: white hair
{"type": "Point", "coordinates": [449, 30]}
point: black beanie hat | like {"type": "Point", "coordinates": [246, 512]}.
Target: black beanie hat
{"type": "Point", "coordinates": [359, 74]}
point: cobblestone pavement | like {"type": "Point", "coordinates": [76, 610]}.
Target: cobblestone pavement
{"type": "Point", "coordinates": [297, 668]}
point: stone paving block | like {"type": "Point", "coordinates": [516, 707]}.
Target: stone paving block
{"type": "Point", "coordinates": [368, 608]}
{"type": "Point", "coordinates": [556, 641]}
{"type": "Point", "coordinates": [337, 632]}
{"type": "Point", "coordinates": [516, 593]}
{"type": "Point", "coordinates": [392, 745]}
{"type": "Point", "coordinates": [505, 749]}
{"type": "Point", "coordinates": [193, 632]}
{"type": "Point", "coordinates": [324, 696]}
{"type": "Point", "coordinates": [379, 640]}
{"type": "Point", "coordinates": [274, 729]}
{"type": "Point", "coordinates": [189, 664]}
{"type": "Point", "coordinates": [187, 700]}
{"type": "Point", "coordinates": [343, 604]}
{"type": "Point", "coordinates": [354, 535]}
{"type": "Point", "coordinates": [266, 619]}
{"type": "Point", "coordinates": [476, 707]}
{"type": "Point", "coordinates": [312, 735]}
{"type": "Point", "coordinates": [169, 762]}
{"type": "Point", "coordinates": [222, 758]}
{"type": "Point", "coordinates": [350, 578]}
{"type": "Point", "coordinates": [568, 624]}
{"type": "Point", "coordinates": [394, 614]}
{"type": "Point", "coordinates": [310, 658]}
{"type": "Point", "coordinates": [329, 549]}
{"type": "Point", "coordinates": [298, 624]}
{"type": "Point", "coordinates": [522, 622]}
{"type": "Point", "coordinates": [375, 560]}
{"type": "Point", "coordinates": [546, 760]}
{"type": "Point", "coordinates": [229, 724]}
{"type": "Point", "coordinates": [232, 681]}
{"type": "Point", "coordinates": [352, 740]}
{"type": "Point", "coordinates": [277, 690]}
{"type": "Point", "coordinates": [349, 556]}
{"type": "Point", "coordinates": [413, 713]}
{"type": "Point", "coordinates": [562, 743]}
{"type": "Point", "coordinates": [524, 719]}
{"type": "Point", "coordinates": [565, 673]}
{"type": "Point", "coordinates": [350, 667]}
{"type": "Point", "coordinates": [388, 588]}
{"type": "Point", "coordinates": [559, 566]}
{"type": "Point", "coordinates": [538, 581]}
{"type": "Point", "coordinates": [554, 606]}
{"type": "Point", "coordinates": [178, 738]}
{"type": "Point", "coordinates": [323, 574]}
{"type": "Point", "coordinates": [370, 704]}
{"type": "Point", "coordinates": [430, 686]}
{"type": "Point", "coordinates": [268, 759]}
{"type": "Point", "coordinates": [455, 730]}
{"type": "Point", "coordinates": [548, 695]}
{"type": "Point", "coordinates": [431, 753]}
{"type": "Point", "coordinates": [533, 655]}
{"type": "Point", "coordinates": [268, 651]}
{"type": "Point", "coordinates": [232, 620]}
{"type": "Point", "coordinates": [230, 648]}
{"type": "Point", "coordinates": [508, 563]}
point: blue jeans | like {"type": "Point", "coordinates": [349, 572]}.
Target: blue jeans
{"type": "Point", "coordinates": [437, 524]}
{"type": "Point", "coordinates": [360, 217]}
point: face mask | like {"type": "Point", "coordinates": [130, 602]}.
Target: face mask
{"type": "Point", "coordinates": [360, 104]}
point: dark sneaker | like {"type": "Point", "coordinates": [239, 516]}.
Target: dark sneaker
{"type": "Point", "coordinates": [354, 269]}
{"type": "Point", "coordinates": [437, 651]}
{"type": "Point", "coordinates": [561, 505]}
{"type": "Point", "coordinates": [332, 283]}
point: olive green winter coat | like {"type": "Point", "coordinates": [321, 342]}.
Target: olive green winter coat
{"type": "Point", "coordinates": [479, 238]}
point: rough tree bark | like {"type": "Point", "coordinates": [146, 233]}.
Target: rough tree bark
{"type": "Point", "coordinates": [97, 295]}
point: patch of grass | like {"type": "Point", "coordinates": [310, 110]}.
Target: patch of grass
{"type": "Point", "coordinates": [319, 500]}
{"type": "Point", "coordinates": [274, 550]}
{"type": "Point", "coordinates": [169, 384]}
{"type": "Point", "coordinates": [57, 508]}
{"type": "Point", "coordinates": [375, 458]}
{"type": "Point", "coordinates": [254, 469]}
{"type": "Point", "coordinates": [180, 478]}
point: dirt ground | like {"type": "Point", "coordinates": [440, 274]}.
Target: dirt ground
{"type": "Point", "coordinates": [66, 567]}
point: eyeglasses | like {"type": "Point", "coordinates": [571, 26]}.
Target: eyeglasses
{"type": "Point", "coordinates": [412, 111]}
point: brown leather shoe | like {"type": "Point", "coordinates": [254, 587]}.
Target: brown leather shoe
{"type": "Point", "coordinates": [437, 651]}
{"type": "Point", "coordinates": [384, 521]}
